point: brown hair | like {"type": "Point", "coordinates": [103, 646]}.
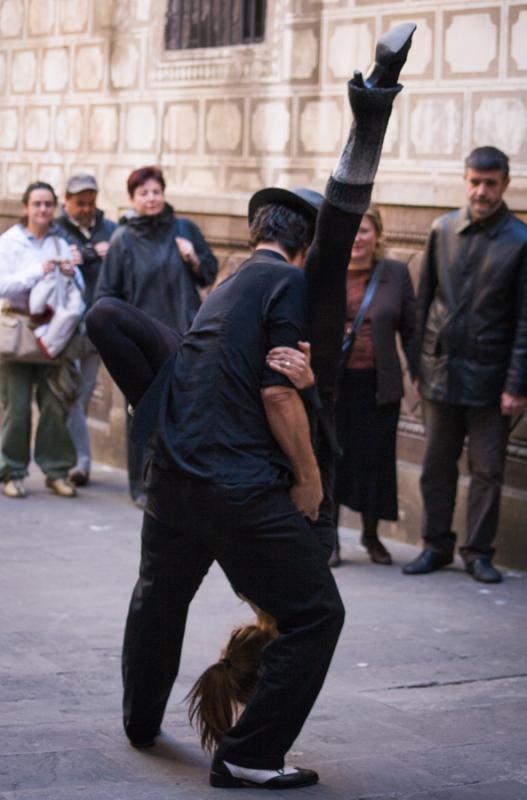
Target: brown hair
{"type": "Point", "coordinates": [142, 175]}
{"type": "Point", "coordinates": [27, 194]}
{"type": "Point", "coordinates": [216, 697]}
{"type": "Point", "coordinates": [374, 215]}
{"type": "Point", "coordinates": [38, 185]}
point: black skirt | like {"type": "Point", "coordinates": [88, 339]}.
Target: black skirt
{"type": "Point", "coordinates": [366, 479]}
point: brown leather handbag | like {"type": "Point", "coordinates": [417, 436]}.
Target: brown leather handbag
{"type": "Point", "coordinates": [17, 340]}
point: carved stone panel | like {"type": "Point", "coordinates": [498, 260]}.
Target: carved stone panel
{"type": "Point", "coordinates": [517, 40]}
{"type": "Point", "coordinates": [320, 129]}
{"type": "Point", "coordinates": [11, 18]}
{"type": "Point", "coordinates": [8, 128]}
{"type": "Point", "coordinates": [197, 178]}
{"type": "Point", "coordinates": [141, 127]}
{"type": "Point", "coordinates": [41, 16]}
{"type": "Point", "coordinates": [37, 123]}
{"type": "Point", "coordinates": [18, 177]}
{"type": "Point", "coordinates": [103, 128]}
{"type": "Point", "coordinates": [73, 15]}
{"type": "Point", "coordinates": [436, 125]}
{"type": "Point", "coordinates": [501, 120]}
{"type": "Point", "coordinates": [69, 128]}
{"type": "Point", "coordinates": [23, 71]}
{"type": "Point", "coordinates": [55, 70]}
{"type": "Point", "coordinates": [52, 174]}
{"type": "Point", "coordinates": [350, 45]}
{"type": "Point", "coordinates": [180, 128]}
{"type": "Point", "coordinates": [89, 67]}
{"type": "Point", "coordinates": [124, 65]}
{"type": "Point", "coordinates": [224, 126]}
{"type": "Point", "coordinates": [271, 126]}
{"type": "Point", "coordinates": [471, 43]}
{"type": "Point", "coordinates": [301, 53]}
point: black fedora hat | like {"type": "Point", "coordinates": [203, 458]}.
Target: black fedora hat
{"type": "Point", "coordinates": [306, 201]}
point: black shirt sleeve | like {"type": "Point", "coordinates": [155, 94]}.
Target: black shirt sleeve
{"type": "Point", "coordinates": [284, 319]}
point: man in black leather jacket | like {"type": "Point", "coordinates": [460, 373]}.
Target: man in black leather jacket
{"type": "Point", "coordinates": [472, 332]}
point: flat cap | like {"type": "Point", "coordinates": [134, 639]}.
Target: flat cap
{"type": "Point", "coordinates": [81, 182]}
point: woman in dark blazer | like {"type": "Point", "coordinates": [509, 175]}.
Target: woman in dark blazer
{"type": "Point", "coordinates": [371, 387]}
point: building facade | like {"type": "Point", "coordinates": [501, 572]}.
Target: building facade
{"type": "Point", "coordinates": [231, 95]}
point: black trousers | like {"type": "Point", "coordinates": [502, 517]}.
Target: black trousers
{"type": "Point", "coordinates": [270, 555]}
{"type": "Point", "coordinates": [446, 427]}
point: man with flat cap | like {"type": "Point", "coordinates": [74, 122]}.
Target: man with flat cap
{"type": "Point", "coordinates": [234, 477]}
{"type": "Point", "coordinates": [88, 233]}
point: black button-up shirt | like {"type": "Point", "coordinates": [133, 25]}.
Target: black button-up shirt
{"type": "Point", "coordinates": [212, 420]}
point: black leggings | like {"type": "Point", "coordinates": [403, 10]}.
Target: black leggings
{"type": "Point", "coordinates": [133, 345]}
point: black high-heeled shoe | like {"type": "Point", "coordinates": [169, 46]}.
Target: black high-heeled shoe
{"type": "Point", "coordinates": [390, 57]}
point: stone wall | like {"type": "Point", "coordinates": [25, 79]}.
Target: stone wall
{"type": "Point", "coordinates": [87, 85]}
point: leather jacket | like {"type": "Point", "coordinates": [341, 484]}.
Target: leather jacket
{"type": "Point", "coordinates": [472, 309]}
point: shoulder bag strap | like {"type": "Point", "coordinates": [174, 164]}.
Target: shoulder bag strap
{"type": "Point", "coordinates": [369, 294]}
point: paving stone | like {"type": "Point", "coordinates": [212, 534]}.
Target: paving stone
{"type": "Point", "coordinates": [506, 790]}
{"type": "Point", "coordinates": [426, 698]}
{"type": "Point", "coordinates": [45, 769]}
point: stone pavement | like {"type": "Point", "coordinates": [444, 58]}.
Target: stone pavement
{"type": "Point", "coordinates": [426, 698]}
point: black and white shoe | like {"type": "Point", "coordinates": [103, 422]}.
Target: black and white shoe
{"type": "Point", "coordinates": [225, 775]}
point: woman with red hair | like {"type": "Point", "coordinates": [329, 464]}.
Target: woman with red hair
{"type": "Point", "coordinates": [157, 261]}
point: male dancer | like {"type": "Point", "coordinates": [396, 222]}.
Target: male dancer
{"type": "Point", "coordinates": [236, 477]}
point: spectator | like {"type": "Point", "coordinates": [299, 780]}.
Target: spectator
{"type": "Point", "coordinates": [371, 385]}
{"type": "Point", "coordinates": [472, 333]}
{"type": "Point", "coordinates": [83, 225]}
{"type": "Point", "coordinates": [28, 251]}
{"type": "Point", "coordinates": [156, 262]}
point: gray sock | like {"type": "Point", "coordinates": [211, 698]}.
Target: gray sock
{"type": "Point", "coordinates": [349, 187]}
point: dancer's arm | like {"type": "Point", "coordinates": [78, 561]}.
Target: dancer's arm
{"type": "Point", "coordinates": [289, 424]}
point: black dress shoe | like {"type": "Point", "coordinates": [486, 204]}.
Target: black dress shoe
{"type": "Point", "coordinates": [222, 777]}
{"type": "Point", "coordinates": [427, 561]}
{"type": "Point", "coordinates": [376, 550]}
{"type": "Point", "coordinates": [143, 743]}
{"type": "Point", "coordinates": [482, 570]}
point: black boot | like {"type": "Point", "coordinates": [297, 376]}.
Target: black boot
{"type": "Point", "coordinates": [370, 540]}
{"type": "Point", "coordinates": [390, 56]}
{"type": "Point", "coordinates": [350, 185]}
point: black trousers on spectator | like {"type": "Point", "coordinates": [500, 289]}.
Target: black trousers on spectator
{"type": "Point", "coordinates": [270, 555]}
{"type": "Point", "coordinates": [446, 427]}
